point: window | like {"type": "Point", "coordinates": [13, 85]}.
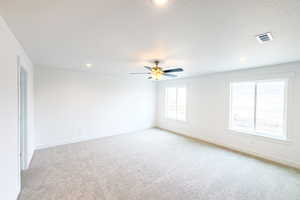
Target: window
{"type": "Point", "coordinates": [176, 103]}
{"type": "Point", "coordinates": [259, 107]}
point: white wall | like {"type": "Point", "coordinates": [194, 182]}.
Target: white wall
{"type": "Point", "coordinates": [9, 147]}
{"type": "Point", "coordinates": [80, 105]}
{"type": "Point", "coordinates": [208, 100]}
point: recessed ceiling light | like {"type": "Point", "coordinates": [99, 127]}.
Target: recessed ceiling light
{"type": "Point", "coordinates": [160, 2]}
{"type": "Point", "coordinates": [243, 59]}
{"type": "Point", "coordinates": [88, 65]}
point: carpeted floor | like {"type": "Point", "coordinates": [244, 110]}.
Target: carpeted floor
{"type": "Point", "coordinates": [154, 165]}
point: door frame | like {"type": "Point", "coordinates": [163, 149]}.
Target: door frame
{"type": "Point", "coordinates": [22, 118]}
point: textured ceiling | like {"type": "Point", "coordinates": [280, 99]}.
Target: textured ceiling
{"type": "Point", "coordinates": [120, 36]}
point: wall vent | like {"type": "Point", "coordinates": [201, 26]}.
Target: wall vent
{"type": "Point", "coordinates": [265, 37]}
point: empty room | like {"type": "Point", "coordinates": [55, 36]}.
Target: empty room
{"type": "Point", "coordinates": [150, 100]}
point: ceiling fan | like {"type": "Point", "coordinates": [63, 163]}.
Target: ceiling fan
{"type": "Point", "coordinates": [157, 72]}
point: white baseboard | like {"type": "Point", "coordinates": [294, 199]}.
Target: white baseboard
{"type": "Point", "coordinates": [29, 160]}
{"type": "Point", "coordinates": [81, 139]}
{"type": "Point", "coordinates": [281, 161]}
{"type": "Point", "coordinates": [18, 194]}
{"type": "Point", "coordinates": [64, 142]}
{"type": "Point", "coordinates": [285, 162]}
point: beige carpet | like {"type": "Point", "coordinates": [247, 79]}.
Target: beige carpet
{"type": "Point", "coordinates": [154, 165]}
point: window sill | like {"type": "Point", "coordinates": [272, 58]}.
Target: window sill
{"type": "Point", "coordinates": [265, 137]}
{"type": "Point", "coordinates": [176, 120]}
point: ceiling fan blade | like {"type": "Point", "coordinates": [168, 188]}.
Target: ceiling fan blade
{"type": "Point", "coordinates": [149, 68]}
{"type": "Point", "coordinates": [170, 75]}
{"type": "Point", "coordinates": [149, 77]}
{"type": "Point", "coordinates": [173, 70]}
{"type": "Point", "coordinates": [140, 73]}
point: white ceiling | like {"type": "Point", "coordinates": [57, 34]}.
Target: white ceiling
{"type": "Point", "coordinates": [120, 36]}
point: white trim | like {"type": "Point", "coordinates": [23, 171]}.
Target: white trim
{"type": "Point", "coordinates": [30, 159]}
{"type": "Point", "coordinates": [19, 182]}
{"type": "Point", "coordinates": [66, 141]}
{"type": "Point", "coordinates": [272, 158]}
{"type": "Point", "coordinates": [285, 162]}
{"type": "Point", "coordinates": [83, 139]}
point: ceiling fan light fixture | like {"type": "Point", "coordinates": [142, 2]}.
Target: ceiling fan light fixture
{"type": "Point", "coordinates": [156, 74]}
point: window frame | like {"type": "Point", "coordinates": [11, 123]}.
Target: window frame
{"type": "Point", "coordinates": [284, 135]}
{"type": "Point", "coordinates": [166, 106]}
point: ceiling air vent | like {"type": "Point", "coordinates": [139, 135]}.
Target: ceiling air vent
{"type": "Point", "coordinates": [265, 37]}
